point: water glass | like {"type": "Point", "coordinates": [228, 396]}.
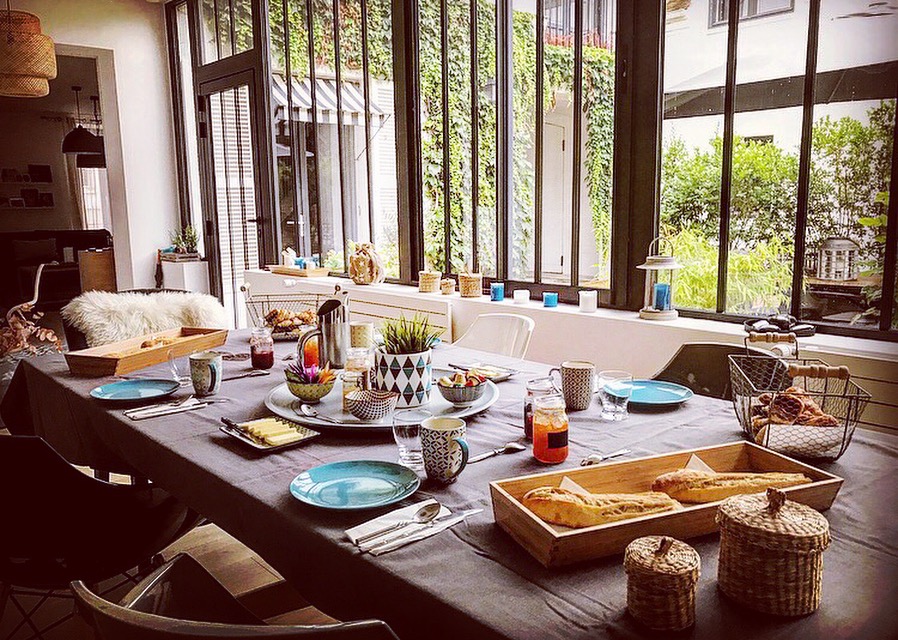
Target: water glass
{"type": "Point", "coordinates": [407, 433]}
{"type": "Point", "coordinates": [615, 388]}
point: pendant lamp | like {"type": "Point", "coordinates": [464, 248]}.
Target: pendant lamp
{"type": "Point", "coordinates": [79, 139]}
{"type": "Point", "coordinates": [27, 57]}
{"type": "Point", "coordinates": [94, 160]}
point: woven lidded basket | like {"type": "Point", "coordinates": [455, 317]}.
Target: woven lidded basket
{"type": "Point", "coordinates": [661, 578]}
{"type": "Point", "coordinates": [470, 285]}
{"type": "Point", "coordinates": [771, 553]}
{"type": "Point", "coordinates": [429, 281]}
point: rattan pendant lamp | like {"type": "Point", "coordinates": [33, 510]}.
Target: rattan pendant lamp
{"type": "Point", "coordinates": [79, 139]}
{"type": "Point", "coordinates": [27, 57]}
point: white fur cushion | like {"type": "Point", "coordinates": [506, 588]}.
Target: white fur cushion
{"type": "Point", "coordinates": [104, 316]}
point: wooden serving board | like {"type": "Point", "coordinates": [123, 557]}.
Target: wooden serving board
{"type": "Point", "coordinates": [114, 359]}
{"type": "Point", "coordinates": [287, 270]}
{"type": "Point", "coordinates": [554, 546]}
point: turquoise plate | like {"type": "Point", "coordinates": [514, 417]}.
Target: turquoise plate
{"type": "Point", "coordinates": [356, 484]}
{"type": "Point", "coordinates": [657, 393]}
{"type": "Point", "coordinates": [135, 390]}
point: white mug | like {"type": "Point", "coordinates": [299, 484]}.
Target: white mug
{"type": "Point", "coordinates": [444, 448]}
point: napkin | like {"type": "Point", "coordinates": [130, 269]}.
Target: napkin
{"type": "Point", "coordinates": [158, 410]}
{"type": "Point", "coordinates": [405, 513]}
{"type": "Point", "coordinates": [425, 531]}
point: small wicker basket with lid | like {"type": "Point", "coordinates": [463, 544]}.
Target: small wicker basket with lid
{"type": "Point", "coordinates": [771, 553]}
{"type": "Point", "coordinates": [661, 578]}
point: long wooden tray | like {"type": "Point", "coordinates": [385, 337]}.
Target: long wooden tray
{"type": "Point", "coordinates": [119, 358]}
{"type": "Point", "coordinates": [553, 545]}
{"type": "Point", "coordinates": [287, 270]}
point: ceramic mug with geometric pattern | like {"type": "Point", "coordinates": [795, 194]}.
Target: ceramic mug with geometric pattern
{"type": "Point", "coordinates": [444, 448]}
{"type": "Point", "coordinates": [578, 383]}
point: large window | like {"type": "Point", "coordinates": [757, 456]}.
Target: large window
{"type": "Point", "coordinates": [748, 9]}
{"type": "Point", "coordinates": [776, 162]}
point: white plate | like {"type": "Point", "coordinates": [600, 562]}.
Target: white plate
{"type": "Point", "coordinates": [284, 404]}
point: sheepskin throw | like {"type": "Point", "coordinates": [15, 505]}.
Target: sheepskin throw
{"type": "Point", "coordinates": [105, 317]}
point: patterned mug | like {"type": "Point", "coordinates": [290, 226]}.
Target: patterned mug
{"type": "Point", "coordinates": [205, 372]}
{"type": "Point", "coordinates": [578, 383]}
{"type": "Point", "coordinates": [444, 448]}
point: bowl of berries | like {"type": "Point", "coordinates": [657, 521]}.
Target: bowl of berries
{"type": "Point", "coordinates": [462, 388]}
{"type": "Point", "coordinates": [310, 384]}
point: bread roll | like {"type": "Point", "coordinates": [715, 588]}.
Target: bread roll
{"type": "Point", "coordinates": [688, 485]}
{"type": "Point", "coordinates": [570, 509]}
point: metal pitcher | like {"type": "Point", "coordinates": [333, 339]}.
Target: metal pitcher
{"type": "Point", "coordinates": [332, 332]}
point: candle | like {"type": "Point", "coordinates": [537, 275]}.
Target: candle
{"type": "Point", "coordinates": [661, 296]}
{"type": "Point", "coordinates": [550, 299]}
{"type": "Point", "coordinates": [497, 291]}
{"type": "Point", "coordinates": [521, 296]}
{"type": "Point", "coordinates": [589, 301]}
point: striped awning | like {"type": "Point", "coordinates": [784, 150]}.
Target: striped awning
{"type": "Point", "coordinates": [352, 97]}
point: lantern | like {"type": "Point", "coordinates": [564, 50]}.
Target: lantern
{"type": "Point", "coordinates": [27, 57]}
{"type": "Point", "coordinates": [659, 286]}
{"type": "Point", "coordinates": [837, 260]}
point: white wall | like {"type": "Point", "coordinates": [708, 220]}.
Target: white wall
{"type": "Point", "coordinates": [132, 63]}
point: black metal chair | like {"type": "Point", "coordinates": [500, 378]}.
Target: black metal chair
{"type": "Point", "coordinates": [181, 600]}
{"type": "Point", "coordinates": [704, 367]}
{"type": "Point", "coordinates": [60, 525]}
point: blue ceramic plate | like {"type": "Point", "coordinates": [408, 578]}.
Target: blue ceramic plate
{"type": "Point", "coordinates": [135, 390]}
{"type": "Point", "coordinates": [657, 393]}
{"type": "Point", "coordinates": [356, 484]}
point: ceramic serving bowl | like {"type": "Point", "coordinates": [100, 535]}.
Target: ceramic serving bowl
{"type": "Point", "coordinates": [308, 392]}
{"type": "Point", "coordinates": [371, 405]}
{"type": "Point", "coordinates": [461, 396]}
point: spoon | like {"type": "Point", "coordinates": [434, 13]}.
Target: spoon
{"type": "Point", "coordinates": [310, 412]}
{"type": "Point", "coordinates": [511, 447]}
{"type": "Point", "coordinates": [596, 458]}
{"type": "Point", "coordinates": [422, 516]}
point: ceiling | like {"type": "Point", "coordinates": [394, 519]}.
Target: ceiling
{"type": "Point", "coordinates": [71, 72]}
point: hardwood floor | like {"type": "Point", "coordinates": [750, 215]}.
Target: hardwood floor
{"type": "Point", "coordinates": [238, 568]}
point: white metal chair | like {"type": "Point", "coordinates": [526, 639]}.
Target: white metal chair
{"type": "Point", "coordinates": [506, 334]}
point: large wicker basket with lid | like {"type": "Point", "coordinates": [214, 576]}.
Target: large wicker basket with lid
{"type": "Point", "coordinates": [661, 578]}
{"type": "Point", "coordinates": [771, 553]}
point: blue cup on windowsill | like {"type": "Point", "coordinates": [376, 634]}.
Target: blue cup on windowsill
{"type": "Point", "coordinates": [550, 299]}
{"type": "Point", "coordinates": [497, 291]}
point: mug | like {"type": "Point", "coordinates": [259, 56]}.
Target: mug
{"type": "Point", "coordinates": [578, 383]}
{"type": "Point", "coordinates": [205, 372]}
{"type": "Point", "coordinates": [444, 448]}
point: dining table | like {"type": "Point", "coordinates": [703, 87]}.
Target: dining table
{"type": "Point", "coordinates": [472, 580]}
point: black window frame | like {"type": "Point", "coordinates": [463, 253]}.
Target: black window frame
{"type": "Point", "coordinates": [718, 11]}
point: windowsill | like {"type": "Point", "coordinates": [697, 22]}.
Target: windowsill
{"type": "Point", "coordinates": [724, 331]}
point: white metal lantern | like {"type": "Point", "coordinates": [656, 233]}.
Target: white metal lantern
{"type": "Point", "coordinates": [838, 260]}
{"type": "Point", "coordinates": [659, 282]}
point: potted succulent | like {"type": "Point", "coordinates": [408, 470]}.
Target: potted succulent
{"type": "Point", "coordinates": [404, 363]}
{"type": "Point", "coordinates": [185, 243]}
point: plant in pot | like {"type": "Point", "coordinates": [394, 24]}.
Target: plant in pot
{"type": "Point", "coordinates": [404, 363]}
{"type": "Point", "coordinates": [186, 241]}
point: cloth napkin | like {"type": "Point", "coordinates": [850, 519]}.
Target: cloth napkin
{"type": "Point", "coordinates": [425, 531]}
{"type": "Point", "coordinates": [405, 513]}
{"type": "Point", "coordinates": [158, 410]}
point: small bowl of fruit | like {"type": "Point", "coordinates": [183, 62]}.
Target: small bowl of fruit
{"type": "Point", "coordinates": [462, 388]}
{"type": "Point", "coordinates": [310, 384]}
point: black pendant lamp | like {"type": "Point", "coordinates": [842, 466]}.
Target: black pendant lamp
{"type": "Point", "coordinates": [94, 160]}
{"type": "Point", "coordinates": [79, 139]}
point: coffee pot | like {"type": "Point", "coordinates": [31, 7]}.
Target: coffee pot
{"type": "Point", "coordinates": [332, 332]}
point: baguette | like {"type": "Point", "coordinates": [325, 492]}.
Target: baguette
{"type": "Point", "coordinates": [570, 509]}
{"type": "Point", "coordinates": [688, 485]}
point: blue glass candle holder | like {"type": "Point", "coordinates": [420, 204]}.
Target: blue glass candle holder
{"type": "Point", "coordinates": [550, 299]}
{"type": "Point", "coordinates": [497, 291]}
{"type": "Point", "coordinates": [661, 296]}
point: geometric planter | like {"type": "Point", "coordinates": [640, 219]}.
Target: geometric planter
{"type": "Point", "coordinates": [410, 375]}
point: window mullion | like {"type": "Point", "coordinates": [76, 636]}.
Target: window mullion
{"type": "Point", "coordinates": [475, 138]}
{"type": "Point", "coordinates": [444, 86]}
{"type": "Point", "coordinates": [577, 143]}
{"type": "Point", "coordinates": [313, 89]}
{"type": "Point", "coordinates": [366, 95]}
{"type": "Point", "coordinates": [891, 254]}
{"type": "Point", "coordinates": [540, 133]}
{"type": "Point", "coordinates": [505, 137]}
{"type": "Point", "coordinates": [338, 73]}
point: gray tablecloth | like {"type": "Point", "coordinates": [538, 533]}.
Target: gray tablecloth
{"type": "Point", "coordinates": [472, 581]}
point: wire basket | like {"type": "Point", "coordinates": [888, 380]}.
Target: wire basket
{"type": "Point", "coordinates": [798, 407]}
{"type": "Point", "coordinates": [288, 315]}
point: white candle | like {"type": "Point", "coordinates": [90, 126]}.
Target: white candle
{"type": "Point", "coordinates": [589, 301]}
{"type": "Point", "coordinates": [521, 296]}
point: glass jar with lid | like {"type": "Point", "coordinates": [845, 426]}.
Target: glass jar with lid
{"type": "Point", "coordinates": [357, 373]}
{"type": "Point", "coordinates": [535, 388]}
{"type": "Point", "coordinates": [261, 348]}
{"type": "Point", "coordinates": [550, 429]}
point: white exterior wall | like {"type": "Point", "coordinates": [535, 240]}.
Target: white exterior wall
{"type": "Point", "coordinates": [128, 39]}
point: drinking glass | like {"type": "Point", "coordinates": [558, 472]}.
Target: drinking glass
{"type": "Point", "coordinates": [615, 388]}
{"type": "Point", "coordinates": [407, 433]}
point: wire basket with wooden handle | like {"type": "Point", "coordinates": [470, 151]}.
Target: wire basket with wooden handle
{"type": "Point", "coordinates": [288, 315]}
{"type": "Point", "coordinates": [797, 407]}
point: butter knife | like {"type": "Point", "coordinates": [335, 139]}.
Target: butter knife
{"type": "Point", "coordinates": [407, 537]}
{"type": "Point", "coordinates": [167, 411]}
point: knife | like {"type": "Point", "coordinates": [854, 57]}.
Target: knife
{"type": "Point", "coordinates": [165, 411]}
{"type": "Point", "coordinates": [407, 537]}
{"type": "Point", "coordinates": [409, 530]}
{"type": "Point", "coordinates": [255, 373]}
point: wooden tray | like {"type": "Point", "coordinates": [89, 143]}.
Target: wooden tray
{"type": "Point", "coordinates": [287, 270]}
{"type": "Point", "coordinates": [553, 545]}
{"type": "Point", "coordinates": [105, 361]}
